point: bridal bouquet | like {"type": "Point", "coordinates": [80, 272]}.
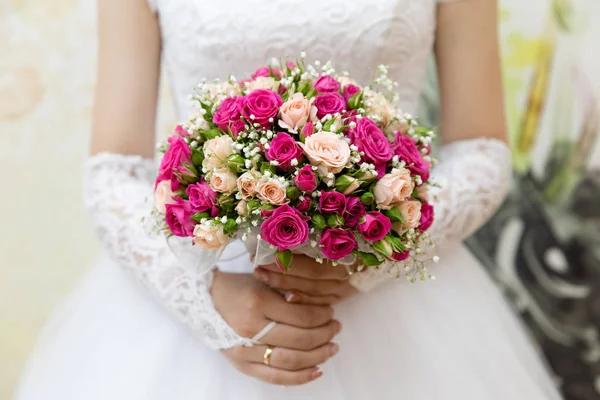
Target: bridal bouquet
{"type": "Point", "coordinates": [300, 159]}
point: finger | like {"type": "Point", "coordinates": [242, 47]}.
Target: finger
{"type": "Point", "coordinates": [288, 359]}
{"type": "Point", "coordinates": [307, 267]}
{"type": "Point", "coordinates": [314, 287]}
{"type": "Point", "coordinates": [295, 338]}
{"type": "Point", "coordinates": [293, 296]}
{"type": "Point", "coordinates": [281, 377]}
{"type": "Point", "coordinates": [275, 308]}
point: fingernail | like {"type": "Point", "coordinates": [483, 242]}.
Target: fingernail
{"type": "Point", "coordinates": [261, 274]}
{"type": "Point", "coordinates": [291, 297]}
{"type": "Point", "coordinates": [317, 373]}
{"type": "Point", "coordinates": [333, 349]}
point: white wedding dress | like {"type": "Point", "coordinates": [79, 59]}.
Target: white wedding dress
{"type": "Point", "coordinates": [453, 338]}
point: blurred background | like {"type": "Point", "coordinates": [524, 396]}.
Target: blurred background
{"type": "Point", "coordinates": [542, 247]}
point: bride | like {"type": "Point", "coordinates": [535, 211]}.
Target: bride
{"type": "Point", "coordinates": [244, 334]}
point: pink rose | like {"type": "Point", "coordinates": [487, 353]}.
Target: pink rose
{"type": "Point", "coordinates": [308, 129]}
{"type": "Point", "coordinates": [326, 84]}
{"type": "Point", "coordinates": [304, 204]}
{"type": "Point", "coordinates": [202, 197]}
{"type": "Point", "coordinates": [306, 179]}
{"type": "Point", "coordinates": [401, 255]}
{"type": "Point", "coordinates": [179, 218]}
{"type": "Point", "coordinates": [163, 195]}
{"type": "Point", "coordinates": [406, 149]}
{"type": "Point", "coordinates": [266, 212]}
{"type": "Point", "coordinates": [223, 181]}
{"type": "Point", "coordinates": [177, 154]}
{"type": "Point", "coordinates": [266, 72]}
{"type": "Point", "coordinates": [332, 202]}
{"type": "Point", "coordinates": [369, 139]}
{"type": "Point", "coordinates": [350, 91]}
{"type": "Point", "coordinates": [228, 115]}
{"type": "Point", "coordinates": [427, 217]}
{"type": "Point", "coordinates": [411, 214]}
{"type": "Point", "coordinates": [354, 212]}
{"type": "Point", "coordinates": [393, 188]}
{"type": "Point", "coordinates": [329, 103]}
{"type": "Point", "coordinates": [260, 106]}
{"type": "Point", "coordinates": [337, 243]}
{"type": "Point", "coordinates": [286, 228]}
{"type": "Point", "coordinates": [247, 184]}
{"type": "Point", "coordinates": [327, 151]}
{"type": "Point", "coordinates": [181, 132]}
{"type": "Point", "coordinates": [272, 191]}
{"type": "Point", "coordinates": [290, 65]}
{"type": "Point", "coordinates": [284, 150]}
{"type": "Point", "coordinates": [295, 113]}
{"type": "Point", "coordinates": [375, 226]}
{"type": "Point", "coordinates": [210, 237]}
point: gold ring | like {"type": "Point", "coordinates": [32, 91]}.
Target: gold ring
{"type": "Point", "coordinates": [267, 356]}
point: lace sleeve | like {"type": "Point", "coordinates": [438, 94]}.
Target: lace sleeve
{"type": "Point", "coordinates": [118, 196]}
{"type": "Point", "coordinates": [474, 177]}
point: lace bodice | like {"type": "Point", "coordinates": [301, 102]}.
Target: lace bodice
{"type": "Point", "coordinates": [211, 39]}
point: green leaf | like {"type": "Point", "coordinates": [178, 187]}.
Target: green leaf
{"type": "Point", "coordinates": [253, 205]}
{"type": "Point", "coordinates": [230, 227]}
{"type": "Point", "coordinates": [311, 93]}
{"type": "Point", "coordinates": [318, 221]}
{"type": "Point", "coordinates": [394, 215]}
{"type": "Point", "coordinates": [304, 87]}
{"type": "Point", "coordinates": [343, 183]}
{"type": "Point", "coordinates": [328, 124]}
{"type": "Point", "coordinates": [293, 192]}
{"type": "Point", "coordinates": [235, 162]}
{"type": "Point", "coordinates": [396, 243]}
{"type": "Point", "coordinates": [210, 134]}
{"type": "Point", "coordinates": [200, 216]}
{"type": "Point", "coordinates": [355, 101]}
{"type": "Point", "coordinates": [283, 259]}
{"type": "Point", "coordinates": [226, 202]}
{"type": "Point", "coordinates": [266, 166]}
{"type": "Point", "coordinates": [369, 259]}
{"type": "Point", "coordinates": [383, 248]}
{"type": "Point", "coordinates": [197, 158]}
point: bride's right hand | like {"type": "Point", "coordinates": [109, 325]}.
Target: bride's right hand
{"type": "Point", "coordinates": [301, 338]}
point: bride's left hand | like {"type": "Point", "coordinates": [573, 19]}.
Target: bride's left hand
{"type": "Point", "coordinates": [309, 282]}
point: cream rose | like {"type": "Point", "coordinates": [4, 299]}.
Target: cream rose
{"type": "Point", "coordinates": [393, 188]}
{"type": "Point", "coordinates": [295, 113]}
{"type": "Point", "coordinates": [272, 191]}
{"type": "Point", "coordinates": [411, 214]}
{"type": "Point", "coordinates": [216, 152]}
{"type": "Point", "coordinates": [242, 208]}
{"type": "Point", "coordinates": [345, 81]}
{"type": "Point", "coordinates": [223, 181]}
{"type": "Point", "coordinates": [163, 195]}
{"type": "Point", "coordinates": [263, 82]}
{"type": "Point", "coordinates": [210, 237]}
{"type": "Point", "coordinates": [377, 104]}
{"type": "Point", "coordinates": [327, 151]}
{"type": "Point", "coordinates": [247, 184]}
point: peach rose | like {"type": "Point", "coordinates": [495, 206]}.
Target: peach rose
{"type": "Point", "coordinates": [327, 151]}
{"type": "Point", "coordinates": [377, 104]}
{"type": "Point", "coordinates": [223, 181]}
{"type": "Point", "coordinates": [423, 193]}
{"type": "Point", "coordinates": [411, 214]}
{"type": "Point", "coordinates": [295, 113]}
{"type": "Point", "coordinates": [272, 191]}
{"type": "Point", "coordinates": [263, 82]}
{"type": "Point", "coordinates": [216, 151]}
{"type": "Point", "coordinates": [393, 188]}
{"type": "Point", "coordinates": [242, 208]}
{"type": "Point", "coordinates": [247, 184]}
{"type": "Point", "coordinates": [163, 195]}
{"type": "Point", "coordinates": [210, 237]}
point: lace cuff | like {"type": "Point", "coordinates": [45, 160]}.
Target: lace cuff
{"type": "Point", "coordinates": [474, 177]}
{"type": "Point", "coordinates": [118, 196]}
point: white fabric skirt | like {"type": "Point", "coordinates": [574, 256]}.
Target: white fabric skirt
{"type": "Point", "coordinates": [453, 338]}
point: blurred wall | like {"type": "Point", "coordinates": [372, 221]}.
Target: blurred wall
{"type": "Point", "coordinates": [47, 68]}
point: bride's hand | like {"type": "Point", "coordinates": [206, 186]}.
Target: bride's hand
{"type": "Point", "coordinates": [301, 338]}
{"type": "Point", "coordinates": [309, 282]}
